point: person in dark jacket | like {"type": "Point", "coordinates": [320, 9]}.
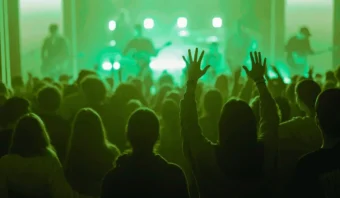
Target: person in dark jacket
{"type": "Point", "coordinates": [143, 173]}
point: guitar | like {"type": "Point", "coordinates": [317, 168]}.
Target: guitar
{"type": "Point", "coordinates": [142, 58]}
{"type": "Point", "coordinates": [295, 58]}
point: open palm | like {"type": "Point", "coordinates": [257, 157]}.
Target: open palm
{"type": "Point", "coordinates": [194, 65]}
{"type": "Point", "coordinates": [258, 67]}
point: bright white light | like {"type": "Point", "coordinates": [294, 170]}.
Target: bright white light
{"type": "Point", "coordinates": [113, 43]}
{"type": "Point", "coordinates": [183, 33]}
{"type": "Point", "coordinates": [212, 39]}
{"type": "Point", "coordinates": [217, 22]}
{"type": "Point", "coordinates": [116, 66]}
{"type": "Point", "coordinates": [107, 66]}
{"type": "Point", "coordinates": [182, 22]}
{"type": "Point", "coordinates": [149, 23]}
{"type": "Point", "coordinates": [171, 64]}
{"type": "Point", "coordinates": [112, 25]}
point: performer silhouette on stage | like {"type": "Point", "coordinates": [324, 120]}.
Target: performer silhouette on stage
{"type": "Point", "coordinates": [298, 49]}
{"type": "Point", "coordinates": [54, 53]}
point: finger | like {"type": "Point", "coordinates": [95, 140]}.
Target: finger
{"type": "Point", "coordinates": [246, 69]}
{"type": "Point", "coordinates": [205, 69]}
{"type": "Point", "coordinates": [260, 58]}
{"type": "Point", "coordinates": [265, 64]}
{"type": "Point", "coordinates": [185, 60]}
{"type": "Point", "coordinates": [252, 58]}
{"type": "Point", "coordinates": [190, 56]}
{"type": "Point", "coordinates": [256, 58]}
{"type": "Point", "coordinates": [196, 54]}
{"type": "Point", "coordinates": [201, 57]}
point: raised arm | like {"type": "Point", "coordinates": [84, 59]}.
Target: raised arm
{"type": "Point", "coordinates": [269, 121]}
{"type": "Point", "coordinates": [191, 131]}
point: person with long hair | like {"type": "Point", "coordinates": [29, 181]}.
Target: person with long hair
{"type": "Point", "coordinates": [142, 172]}
{"type": "Point", "coordinates": [89, 154]}
{"type": "Point", "coordinates": [240, 164]}
{"type": "Point", "coordinates": [32, 168]}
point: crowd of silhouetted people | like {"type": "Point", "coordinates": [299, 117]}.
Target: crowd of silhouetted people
{"type": "Point", "coordinates": [245, 137]}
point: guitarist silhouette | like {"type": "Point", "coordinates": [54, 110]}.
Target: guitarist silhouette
{"type": "Point", "coordinates": [141, 49]}
{"type": "Point", "coordinates": [298, 49]}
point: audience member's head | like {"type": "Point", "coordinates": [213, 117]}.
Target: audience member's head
{"type": "Point", "coordinates": [213, 102]}
{"type": "Point", "coordinates": [237, 123]}
{"type": "Point", "coordinates": [174, 95]}
{"type": "Point", "coordinates": [328, 113]}
{"type": "Point", "coordinates": [222, 84]}
{"type": "Point", "coordinates": [83, 74]}
{"type": "Point", "coordinates": [166, 79]}
{"type": "Point", "coordinates": [330, 76]}
{"type": "Point", "coordinates": [132, 106]}
{"type": "Point", "coordinates": [306, 93]}
{"type": "Point", "coordinates": [18, 85]}
{"type": "Point", "coordinates": [329, 85]}
{"type": "Point", "coordinates": [49, 99]}
{"type": "Point", "coordinates": [88, 135]}
{"type": "Point", "coordinates": [94, 90]}
{"type": "Point", "coordinates": [163, 91]}
{"type": "Point", "coordinates": [30, 138]}
{"type": "Point", "coordinates": [237, 138]}
{"type": "Point", "coordinates": [143, 131]}
{"type": "Point", "coordinates": [13, 109]}
{"type": "Point", "coordinates": [170, 112]}
{"type": "Point", "coordinates": [64, 79]}
{"type": "Point", "coordinates": [53, 29]}
{"type": "Point", "coordinates": [284, 107]}
{"type": "Point", "coordinates": [48, 80]}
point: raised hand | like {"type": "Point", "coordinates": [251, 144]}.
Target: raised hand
{"type": "Point", "coordinates": [259, 67]}
{"type": "Point", "coordinates": [194, 66]}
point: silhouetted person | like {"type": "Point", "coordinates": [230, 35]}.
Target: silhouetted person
{"type": "Point", "coordinates": [298, 49]}
{"type": "Point", "coordinates": [214, 59]}
{"type": "Point", "coordinates": [222, 84]}
{"type": "Point", "coordinates": [75, 100]}
{"type": "Point", "coordinates": [4, 93]}
{"type": "Point", "coordinates": [141, 49]}
{"type": "Point", "coordinates": [142, 173]}
{"type": "Point", "coordinates": [212, 105]}
{"type": "Point", "coordinates": [32, 169]}
{"type": "Point", "coordinates": [239, 165]}
{"type": "Point", "coordinates": [89, 155]}
{"type": "Point", "coordinates": [54, 53]}
{"type": "Point", "coordinates": [12, 110]}
{"type": "Point", "coordinates": [18, 86]}
{"type": "Point", "coordinates": [284, 107]}
{"type": "Point", "coordinates": [49, 100]}
{"type": "Point", "coordinates": [300, 135]}
{"type": "Point", "coordinates": [317, 173]}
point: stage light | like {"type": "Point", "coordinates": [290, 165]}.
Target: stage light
{"type": "Point", "coordinates": [107, 66]}
{"type": "Point", "coordinates": [112, 25]}
{"type": "Point", "coordinates": [112, 43]}
{"type": "Point", "coordinates": [217, 22]}
{"type": "Point", "coordinates": [149, 23]}
{"type": "Point", "coordinates": [116, 65]}
{"type": "Point", "coordinates": [183, 33]}
{"type": "Point", "coordinates": [182, 22]}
